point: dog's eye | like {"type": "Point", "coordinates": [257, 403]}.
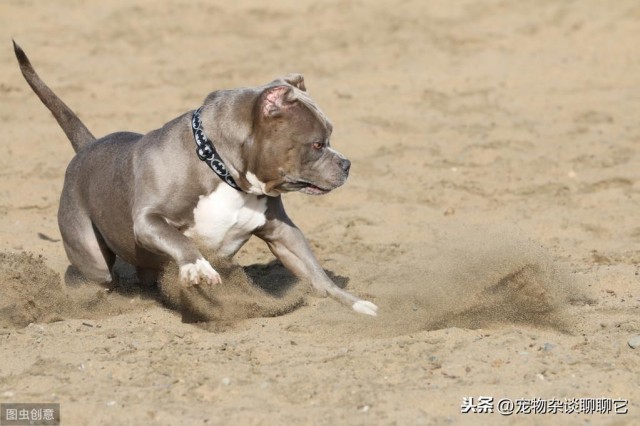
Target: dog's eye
{"type": "Point", "coordinates": [317, 145]}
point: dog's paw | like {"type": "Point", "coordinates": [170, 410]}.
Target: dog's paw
{"type": "Point", "coordinates": [197, 273]}
{"type": "Point", "coordinates": [365, 307]}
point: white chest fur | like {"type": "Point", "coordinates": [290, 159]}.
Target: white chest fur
{"type": "Point", "coordinates": [225, 219]}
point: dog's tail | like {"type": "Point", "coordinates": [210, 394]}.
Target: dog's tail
{"type": "Point", "coordinates": [75, 130]}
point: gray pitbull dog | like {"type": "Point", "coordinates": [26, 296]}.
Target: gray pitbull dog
{"type": "Point", "coordinates": [215, 175]}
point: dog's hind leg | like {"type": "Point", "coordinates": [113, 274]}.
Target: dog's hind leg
{"type": "Point", "coordinates": [85, 247]}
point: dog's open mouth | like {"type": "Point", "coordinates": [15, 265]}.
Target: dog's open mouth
{"type": "Point", "coordinates": [304, 186]}
{"type": "Point", "coordinates": [311, 189]}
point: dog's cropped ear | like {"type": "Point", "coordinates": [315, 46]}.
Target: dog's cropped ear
{"type": "Point", "coordinates": [296, 80]}
{"type": "Point", "coordinates": [276, 100]}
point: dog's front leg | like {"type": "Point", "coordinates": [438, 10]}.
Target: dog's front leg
{"type": "Point", "coordinates": [154, 233]}
{"type": "Point", "coordinates": [290, 246]}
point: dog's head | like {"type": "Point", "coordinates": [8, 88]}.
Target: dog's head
{"type": "Point", "coordinates": [291, 142]}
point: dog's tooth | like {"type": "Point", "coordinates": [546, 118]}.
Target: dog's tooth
{"type": "Point", "coordinates": [365, 307]}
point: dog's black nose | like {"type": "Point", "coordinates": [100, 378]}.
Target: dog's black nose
{"type": "Point", "coordinates": [345, 165]}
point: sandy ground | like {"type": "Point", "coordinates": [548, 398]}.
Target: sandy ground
{"type": "Point", "coordinates": [492, 211]}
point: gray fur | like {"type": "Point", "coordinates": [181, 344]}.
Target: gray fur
{"type": "Point", "coordinates": [133, 196]}
{"type": "Point", "coordinates": [75, 130]}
